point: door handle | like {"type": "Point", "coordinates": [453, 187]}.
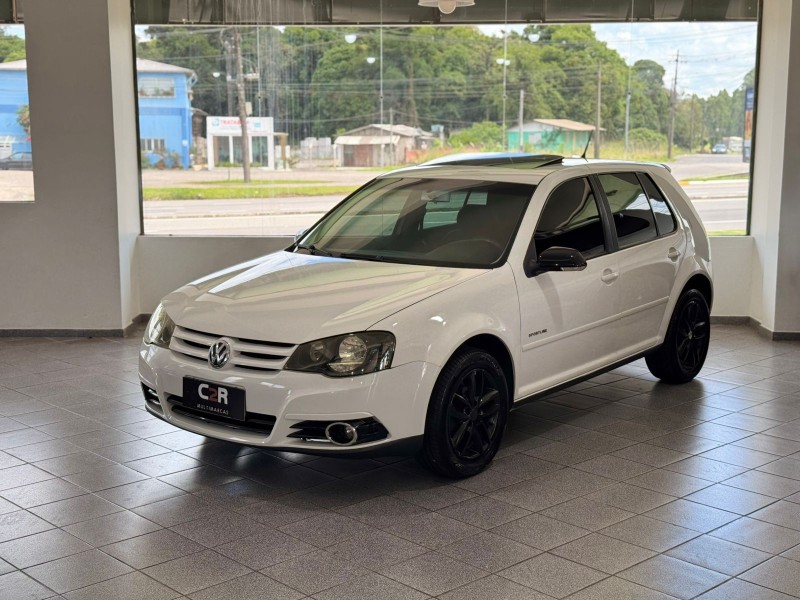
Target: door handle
{"type": "Point", "coordinates": [673, 254]}
{"type": "Point", "coordinates": [609, 276]}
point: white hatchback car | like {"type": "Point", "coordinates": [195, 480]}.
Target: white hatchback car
{"type": "Point", "coordinates": [430, 302]}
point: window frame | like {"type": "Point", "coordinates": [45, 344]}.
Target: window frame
{"type": "Point", "coordinates": [609, 236]}
{"type": "Point", "coordinates": [147, 79]}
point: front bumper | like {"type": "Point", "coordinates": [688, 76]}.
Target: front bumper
{"type": "Point", "coordinates": [397, 398]}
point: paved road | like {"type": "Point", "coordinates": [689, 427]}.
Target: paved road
{"type": "Point", "coordinates": [721, 206]}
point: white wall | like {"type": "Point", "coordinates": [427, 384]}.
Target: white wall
{"type": "Point", "coordinates": [61, 256]}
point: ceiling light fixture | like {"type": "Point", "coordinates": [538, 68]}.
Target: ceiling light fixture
{"type": "Point", "coordinates": [446, 6]}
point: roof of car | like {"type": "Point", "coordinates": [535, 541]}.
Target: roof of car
{"type": "Point", "coordinates": [517, 163]}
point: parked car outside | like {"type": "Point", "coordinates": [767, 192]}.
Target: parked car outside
{"type": "Point", "coordinates": [19, 161]}
{"type": "Point", "coordinates": [428, 304]}
{"type": "Point", "coordinates": [719, 149]}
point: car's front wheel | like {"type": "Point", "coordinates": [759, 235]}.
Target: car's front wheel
{"type": "Point", "coordinates": [466, 416]}
{"type": "Point", "coordinates": [683, 353]}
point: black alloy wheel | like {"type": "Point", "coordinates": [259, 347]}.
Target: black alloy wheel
{"type": "Point", "coordinates": [472, 416]}
{"type": "Point", "coordinates": [467, 415]}
{"type": "Point", "coordinates": [682, 355]}
{"type": "Point", "coordinates": [693, 332]}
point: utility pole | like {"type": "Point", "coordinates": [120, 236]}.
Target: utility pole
{"type": "Point", "coordinates": [237, 46]}
{"type": "Point", "coordinates": [228, 70]}
{"type": "Point", "coordinates": [521, 117]}
{"type": "Point", "coordinates": [672, 106]}
{"type": "Point", "coordinates": [392, 147]}
{"type": "Point", "coordinates": [628, 111]}
{"type": "Point", "coordinates": [599, 104]}
{"type": "Point", "coordinates": [691, 127]}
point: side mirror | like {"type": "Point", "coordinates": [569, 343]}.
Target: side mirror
{"type": "Point", "coordinates": [299, 234]}
{"type": "Point", "coordinates": [559, 258]}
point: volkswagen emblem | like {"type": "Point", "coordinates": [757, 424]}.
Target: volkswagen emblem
{"type": "Point", "coordinates": [219, 354]}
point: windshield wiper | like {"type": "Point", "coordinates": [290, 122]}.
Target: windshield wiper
{"type": "Point", "coordinates": [372, 257]}
{"type": "Point", "coordinates": [313, 250]}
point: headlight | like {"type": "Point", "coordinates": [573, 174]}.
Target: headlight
{"type": "Point", "coordinates": [159, 329]}
{"type": "Point", "coordinates": [345, 355]}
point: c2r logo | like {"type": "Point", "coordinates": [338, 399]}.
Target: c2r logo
{"type": "Point", "coordinates": [212, 394]}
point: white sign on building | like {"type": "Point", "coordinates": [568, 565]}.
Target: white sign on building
{"type": "Point", "coordinates": [231, 127]}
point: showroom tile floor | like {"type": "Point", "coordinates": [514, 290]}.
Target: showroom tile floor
{"type": "Point", "coordinates": [618, 488]}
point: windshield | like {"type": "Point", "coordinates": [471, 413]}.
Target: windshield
{"type": "Point", "coordinates": [443, 222]}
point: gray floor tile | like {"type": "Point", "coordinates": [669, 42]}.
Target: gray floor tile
{"type": "Point", "coordinates": [265, 549]}
{"type": "Point", "coordinates": [179, 509]}
{"type": "Point", "coordinates": [785, 467]}
{"type": "Point", "coordinates": [381, 512]}
{"type": "Point", "coordinates": [40, 548]}
{"type": "Point", "coordinates": [494, 587]}
{"type": "Point", "coordinates": [587, 514]}
{"type": "Point", "coordinates": [765, 483]}
{"type": "Point", "coordinates": [615, 588]}
{"type": "Point", "coordinates": [692, 515]}
{"type": "Point", "coordinates": [219, 528]}
{"type": "Point", "coordinates": [129, 451]}
{"type": "Point", "coordinates": [140, 493]}
{"type": "Point", "coordinates": [650, 533]}
{"type": "Point", "coordinates": [17, 585]}
{"type": "Point", "coordinates": [14, 477]}
{"type": "Point", "coordinates": [111, 528]}
{"type": "Point", "coordinates": [484, 512]}
{"type": "Point", "coordinates": [193, 480]}
{"type": "Point", "coordinates": [613, 467]}
{"type": "Point", "coordinates": [74, 463]}
{"type": "Point", "coordinates": [736, 589]}
{"type": "Point", "coordinates": [326, 530]}
{"type": "Point", "coordinates": [163, 464]}
{"type": "Point", "coordinates": [785, 514]}
{"type": "Point", "coordinates": [196, 571]}
{"type": "Point", "coordinates": [314, 572]}
{"type": "Point", "coordinates": [540, 531]}
{"type": "Point", "coordinates": [433, 573]}
{"type": "Point", "coordinates": [20, 523]}
{"type": "Point", "coordinates": [432, 530]}
{"type": "Point", "coordinates": [371, 586]}
{"type": "Point", "coordinates": [759, 535]}
{"type": "Point", "coordinates": [489, 551]}
{"type": "Point", "coordinates": [77, 571]}
{"type": "Point", "coordinates": [531, 495]}
{"type": "Point", "coordinates": [553, 575]}
{"type": "Point", "coordinates": [105, 477]}
{"type": "Point", "coordinates": [778, 573]}
{"type": "Point", "coordinates": [44, 450]}
{"type": "Point", "coordinates": [74, 510]}
{"type": "Point", "coordinates": [719, 555]}
{"type": "Point", "coordinates": [603, 553]}
{"type": "Point", "coordinates": [573, 481]}
{"type": "Point", "coordinates": [375, 550]}
{"type": "Point", "coordinates": [631, 498]}
{"type": "Point", "coordinates": [152, 548]}
{"type": "Point", "coordinates": [253, 586]}
{"type": "Point", "coordinates": [669, 482]}
{"type": "Point", "coordinates": [731, 499]}
{"type": "Point", "coordinates": [674, 577]}
{"type": "Point", "coordinates": [133, 586]}
{"type": "Point", "coordinates": [44, 492]}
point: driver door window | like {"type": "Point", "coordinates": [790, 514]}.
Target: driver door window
{"type": "Point", "coordinates": [571, 219]}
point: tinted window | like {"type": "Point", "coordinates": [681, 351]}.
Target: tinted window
{"type": "Point", "coordinates": [570, 218]}
{"type": "Point", "coordinates": [664, 218]}
{"type": "Point", "coordinates": [633, 218]}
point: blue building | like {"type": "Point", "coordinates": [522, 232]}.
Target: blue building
{"type": "Point", "coordinates": [165, 110]}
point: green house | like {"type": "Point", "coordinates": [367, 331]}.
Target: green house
{"type": "Point", "coordinates": [551, 136]}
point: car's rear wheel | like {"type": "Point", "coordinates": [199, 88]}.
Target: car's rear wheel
{"type": "Point", "coordinates": [466, 416]}
{"type": "Point", "coordinates": [683, 353]}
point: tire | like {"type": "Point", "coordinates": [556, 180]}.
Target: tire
{"type": "Point", "coordinates": [467, 415]}
{"type": "Point", "coordinates": [680, 358]}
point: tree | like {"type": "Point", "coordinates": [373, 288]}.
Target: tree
{"type": "Point", "coordinates": [486, 135]}
{"type": "Point", "coordinates": [24, 118]}
{"type": "Point", "coordinates": [11, 47]}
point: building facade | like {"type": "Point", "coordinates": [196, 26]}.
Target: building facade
{"type": "Point", "coordinates": [165, 111]}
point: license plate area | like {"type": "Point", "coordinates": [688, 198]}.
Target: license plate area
{"type": "Point", "coordinates": [214, 399]}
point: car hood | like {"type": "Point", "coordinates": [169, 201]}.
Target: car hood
{"type": "Point", "coordinates": [295, 298]}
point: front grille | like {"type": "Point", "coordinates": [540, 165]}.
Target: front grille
{"type": "Point", "coordinates": [251, 355]}
{"type": "Point", "coordinates": [254, 422]}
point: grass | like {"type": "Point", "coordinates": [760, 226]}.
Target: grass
{"type": "Point", "coordinates": [225, 193]}
{"type": "Point", "coordinates": [728, 232]}
{"type": "Point", "coordinates": [262, 182]}
{"type": "Point", "coordinates": [734, 176]}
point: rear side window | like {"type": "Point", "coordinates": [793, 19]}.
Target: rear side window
{"type": "Point", "coordinates": [664, 217]}
{"type": "Point", "coordinates": [570, 218]}
{"type": "Point", "coordinates": [633, 218]}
